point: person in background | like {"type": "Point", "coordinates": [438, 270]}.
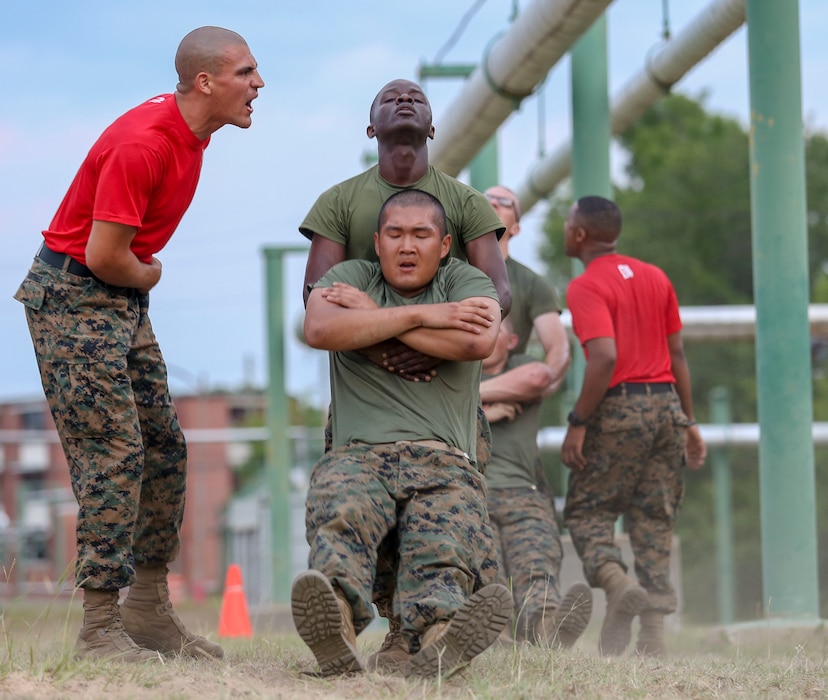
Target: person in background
{"type": "Point", "coordinates": [632, 428]}
{"type": "Point", "coordinates": [523, 516]}
{"type": "Point", "coordinates": [535, 304]}
{"type": "Point", "coordinates": [86, 298]}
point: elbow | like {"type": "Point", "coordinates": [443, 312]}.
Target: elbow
{"type": "Point", "coordinates": [478, 348]}
{"type": "Point", "coordinates": [314, 334]}
{"type": "Point", "coordinates": [505, 297]}
{"type": "Point", "coordinates": [540, 379]}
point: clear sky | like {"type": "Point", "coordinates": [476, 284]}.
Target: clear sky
{"type": "Point", "coordinates": [70, 68]}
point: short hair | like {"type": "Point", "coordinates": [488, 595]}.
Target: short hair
{"type": "Point", "coordinates": [203, 50]}
{"type": "Point", "coordinates": [601, 217]}
{"type": "Point", "coordinates": [415, 198]}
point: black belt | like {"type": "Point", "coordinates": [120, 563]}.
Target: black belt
{"type": "Point", "coordinates": [63, 262]}
{"type": "Point", "coordinates": [626, 389]}
{"type": "Point", "coordinates": [68, 264]}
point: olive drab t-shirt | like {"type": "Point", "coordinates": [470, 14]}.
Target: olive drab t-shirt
{"type": "Point", "coordinates": [347, 213]}
{"type": "Point", "coordinates": [372, 405]}
{"type": "Point", "coordinates": [532, 296]}
{"type": "Point", "coordinates": [514, 443]}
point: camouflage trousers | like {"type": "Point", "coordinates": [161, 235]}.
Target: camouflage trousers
{"type": "Point", "coordinates": [387, 556]}
{"type": "Point", "coordinates": [634, 447]}
{"type": "Point", "coordinates": [106, 385]}
{"type": "Point", "coordinates": [529, 552]}
{"type": "Point", "coordinates": [436, 502]}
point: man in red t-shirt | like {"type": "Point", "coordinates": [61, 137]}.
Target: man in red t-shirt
{"type": "Point", "coordinates": [631, 430]}
{"type": "Point", "coordinates": [86, 297]}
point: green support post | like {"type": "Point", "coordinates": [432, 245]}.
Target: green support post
{"type": "Point", "coordinates": [484, 169]}
{"type": "Point", "coordinates": [591, 132]}
{"type": "Point", "coordinates": [720, 415]}
{"type": "Point", "coordinates": [780, 281]}
{"type": "Point", "coordinates": [591, 128]}
{"type": "Point", "coordinates": [278, 420]}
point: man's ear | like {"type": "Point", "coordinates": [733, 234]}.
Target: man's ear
{"type": "Point", "coordinates": [376, 242]}
{"type": "Point", "coordinates": [445, 245]}
{"type": "Point", "coordinates": [431, 132]}
{"type": "Point", "coordinates": [513, 341]}
{"type": "Point", "coordinates": [370, 131]}
{"type": "Point", "coordinates": [202, 83]}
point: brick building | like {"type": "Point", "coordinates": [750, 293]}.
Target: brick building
{"type": "Point", "coordinates": [38, 509]}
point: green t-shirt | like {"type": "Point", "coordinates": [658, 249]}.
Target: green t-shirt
{"type": "Point", "coordinates": [515, 443]}
{"type": "Point", "coordinates": [348, 212]}
{"type": "Point", "coordinates": [370, 404]}
{"type": "Point", "coordinates": [532, 296]}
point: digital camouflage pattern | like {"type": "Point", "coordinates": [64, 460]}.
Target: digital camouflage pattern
{"type": "Point", "coordinates": [106, 385]}
{"type": "Point", "coordinates": [529, 551]}
{"type": "Point", "coordinates": [634, 447]}
{"type": "Point", "coordinates": [435, 499]}
{"type": "Point", "coordinates": [387, 555]}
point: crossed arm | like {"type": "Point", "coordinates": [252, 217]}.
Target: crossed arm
{"type": "Point", "coordinates": [341, 318]}
{"type": "Point", "coordinates": [111, 260]}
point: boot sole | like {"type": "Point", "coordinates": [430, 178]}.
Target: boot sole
{"type": "Point", "coordinates": [573, 615]}
{"type": "Point", "coordinates": [616, 631]}
{"type": "Point", "coordinates": [318, 620]}
{"type": "Point", "coordinates": [472, 630]}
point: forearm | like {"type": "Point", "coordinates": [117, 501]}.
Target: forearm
{"type": "Point", "coordinates": [125, 270]}
{"type": "Point", "coordinates": [527, 383]}
{"type": "Point", "coordinates": [557, 360]}
{"type": "Point", "coordinates": [111, 260]}
{"type": "Point", "coordinates": [338, 329]}
{"type": "Point", "coordinates": [449, 343]}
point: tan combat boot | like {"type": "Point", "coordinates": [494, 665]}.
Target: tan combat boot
{"type": "Point", "coordinates": [651, 634]}
{"type": "Point", "coordinates": [102, 635]}
{"type": "Point", "coordinates": [446, 647]}
{"type": "Point", "coordinates": [562, 627]}
{"type": "Point", "coordinates": [325, 621]}
{"type": "Point", "coordinates": [625, 600]}
{"type": "Point", "coordinates": [393, 654]}
{"type": "Point", "coordinates": [150, 620]}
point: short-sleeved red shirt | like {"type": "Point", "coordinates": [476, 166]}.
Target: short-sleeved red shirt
{"type": "Point", "coordinates": [633, 302]}
{"type": "Point", "coordinates": [142, 171]}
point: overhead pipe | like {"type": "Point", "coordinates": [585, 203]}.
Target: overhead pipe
{"type": "Point", "coordinates": [512, 68]}
{"type": "Point", "coordinates": [664, 67]}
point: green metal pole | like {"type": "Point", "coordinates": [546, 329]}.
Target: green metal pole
{"type": "Point", "coordinates": [720, 415]}
{"type": "Point", "coordinates": [484, 168]}
{"type": "Point", "coordinates": [591, 132]}
{"type": "Point", "coordinates": [780, 280]}
{"type": "Point", "coordinates": [278, 421]}
{"type": "Point", "coordinates": [591, 114]}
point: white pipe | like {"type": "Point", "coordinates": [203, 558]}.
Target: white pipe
{"type": "Point", "coordinates": [663, 69]}
{"type": "Point", "coordinates": [728, 322]}
{"type": "Point", "coordinates": [513, 67]}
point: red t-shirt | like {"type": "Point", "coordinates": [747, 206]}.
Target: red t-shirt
{"type": "Point", "coordinates": [633, 302]}
{"type": "Point", "coordinates": [142, 171]}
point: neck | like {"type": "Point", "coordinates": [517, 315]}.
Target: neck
{"type": "Point", "coordinates": [599, 252]}
{"type": "Point", "coordinates": [193, 117]}
{"type": "Point", "coordinates": [496, 367]}
{"type": "Point", "coordinates": [403, 165]}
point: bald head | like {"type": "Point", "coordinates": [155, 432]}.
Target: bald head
{"type": "Point", "coordinates": [203, 50]}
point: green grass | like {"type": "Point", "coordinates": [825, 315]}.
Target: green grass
{"type": "Point", "coordinates": [36, 661]}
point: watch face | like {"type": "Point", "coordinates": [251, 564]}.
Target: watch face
{"type": "Point", "coordinates": [575, 420]}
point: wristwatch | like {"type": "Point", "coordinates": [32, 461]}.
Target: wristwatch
{"type": "Point", "coordinates": [575, 420]}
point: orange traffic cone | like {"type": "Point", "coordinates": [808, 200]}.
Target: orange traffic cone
{"type": "Point", "coordinates": [234, 620]}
